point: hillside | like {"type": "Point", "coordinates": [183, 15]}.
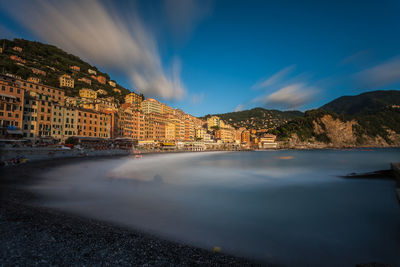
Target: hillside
{"type": "Point", "coordinates": [320, 128]}
{"type": "Point", "coordinates": [257, 118]}
{"type": "Point", "coordinates": [365, 103]}
{"type": "Point", "coordinates": [55, 62]}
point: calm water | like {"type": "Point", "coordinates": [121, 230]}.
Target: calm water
{"type": "Point", "coordinates": [285, 207]}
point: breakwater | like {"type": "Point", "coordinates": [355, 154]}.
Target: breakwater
{"type": "Point", "coordinates": [8, 155]}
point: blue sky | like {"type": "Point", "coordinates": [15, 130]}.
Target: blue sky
{"type": "Point", "coordinates": [219, 56]}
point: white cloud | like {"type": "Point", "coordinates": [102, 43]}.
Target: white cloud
{"type": "Point", "coordinates": [97, 33]}
{"type": "Point", "coordinates": [386, 73]}
{"type": "Point", "coordinates": [291, 96]}
{"type": "Point", "coordinates": [240, 107]}
{"type": "Point", "coordinates": [274, 79]}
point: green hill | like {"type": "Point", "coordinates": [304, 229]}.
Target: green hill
{"type": "Point", "coordinates": [55, 62]}
{"type": "Point", "coordinates": [366, 103]}
{"type": "Point", "coordinates": [368, 119]}
{"type": "Point", "coordinates": [257, 118]}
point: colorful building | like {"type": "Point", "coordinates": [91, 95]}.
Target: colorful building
{"type": "Point", "coordinates": [11, 106]}
{"type": "Point", "coordinates": [151, 105]}
{"type": "Point", "coordinates": [66, 81]}
{"type": "Point", "coordinates": [134, 99]}
{"type": "Point", "coordinates": [87, 93]}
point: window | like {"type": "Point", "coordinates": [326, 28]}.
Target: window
{"type": "Point", "coordinates": [11, 90]}
{"type": "Point", "coordinates": [32, 127]}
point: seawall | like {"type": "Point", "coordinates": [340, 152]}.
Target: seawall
{"type": "Point", "coordinates": [45, 153]}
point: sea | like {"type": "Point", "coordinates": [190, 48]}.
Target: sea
{"type": "Point", "coordinates": [286, 207]}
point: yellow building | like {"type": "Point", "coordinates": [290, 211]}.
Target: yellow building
{"type": "Point", "coordinates": [66, 81]}
{"type": "Point", "coordinates": [213, 122]}
{"type": "Point", "coordinates": [165, 109]}
{"type": "Point", "coordinates": [134, 99]}
{"type": "Point", "coordinates": [87, 93]}
{"type": "Point", "coordinates": [101, 92]}
{"type": "Point", "coordinates": [170, 131]}
{"type": "Point", "coordinates": [200, 133]}
{"type": "Point", "coordinates": [151, 105]}
{"type": "Point", "coordinates": [112, 83]}
{"type": "Point", "coordinates": [34, 79]}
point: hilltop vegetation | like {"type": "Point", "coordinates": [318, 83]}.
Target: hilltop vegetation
{"type": "Point", "coordinates": [257, 118]}
{"type": "Point", "coordinates": [370, 119]}
{"type": "Point", "coordinates": [366, 103]}
{"type": "Point", "coordinates": [55, 62]}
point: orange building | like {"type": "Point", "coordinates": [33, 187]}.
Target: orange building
{"type": "Point", "coordinates": [155, 126]}
{"type": "Point", "coordinates": [11, 104]}
{"type": "Point", "coordinates": [101, 79]}
{"type": "Point", "coordinates": [125, 121]}
{"type": "Point", "coordinates": [55, 94]}
{"type": "Point", "coordinates": [38, 72]}
{"type": "Point", "coordinates": [135, 100]}
{"type": "Point", "coordinates": [75, 68]}
{"type": "Point", "coordinates": [246, 137]}
{"type": "Point", "coordinates": [138, 125]}
{"type": "Point", "coordinates": [114, 119]}
{"type": "Point", "coordinates": [18, 59]}
{"type": "Point", "coordinates": [92, 123]}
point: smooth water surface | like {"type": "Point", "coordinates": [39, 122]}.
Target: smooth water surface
{"type": "Point", "coordinates": [285, 207]}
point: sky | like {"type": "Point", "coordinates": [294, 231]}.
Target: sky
{"type": "Point", "coordinates": [217, 56]}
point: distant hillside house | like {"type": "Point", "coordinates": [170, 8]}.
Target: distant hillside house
{"type": "Point", "coordinates": [39, 72]}
{"type": "Point", "coordinates": [18, 59]}
{"type": "Point", "coordinates": [52, 68]}
{"type": "Point", "coordinates": [92, 72]}
{"type": "Point", "coordinates": [66, 81]}
{"type": "Point", "coordinates": [87, 93]}
{"type": "Point", "coordinates": [85, 80]}
{"type": "Point", "coordinates": [112, 83]}
{"type": "Point", "coordinates": [93, 77]}
{"type": "Point", "coordinates": [1, 50]}
{"type": "Point", "coordinates": [34, 79]}
{"type": "Point", "coordinates": [117, 90]}
{"type": "Point", "coordinates": [17, 48]}
{"type": "Point", "coordinates": [101, 79]}
{"type": "Point", "coordinates": [75, 68]}
{"type": "Point", "coordinates": [101, 92]}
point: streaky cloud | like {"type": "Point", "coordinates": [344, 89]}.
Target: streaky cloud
{"type": "Point", "coordinates": [386, 73]}
{"type": "Point", "coordinates": [289, 97]}
{"type": "Point", "coordinates": [274, 79]}
{"type": "Point", "coordinates": [240, 107]}
{"type": "Point", "coordinates": [94, 31]}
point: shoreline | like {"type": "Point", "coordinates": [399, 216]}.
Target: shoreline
{"type": "Point", "coordinates": [32, 235]}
